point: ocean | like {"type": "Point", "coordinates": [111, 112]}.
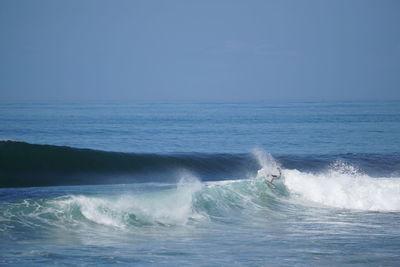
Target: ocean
{"type": "Point", "coordinates": [185, 184]}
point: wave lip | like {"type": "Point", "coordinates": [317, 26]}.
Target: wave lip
{"type": "Point", "coordinates": [162, 208]}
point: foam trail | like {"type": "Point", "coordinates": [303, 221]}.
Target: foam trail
{"type": "Point", "coordinates": [344, 187]}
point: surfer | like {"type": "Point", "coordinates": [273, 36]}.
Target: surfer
{"type": "Point", "coordinates": [273, 177]}
{"type": "Point", "coordinates": [276, 176]}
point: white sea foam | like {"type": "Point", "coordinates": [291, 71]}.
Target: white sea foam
{"type": "Point", "coordinates": [167, 207]}
{"type": "Point", "coordinates": [343, 187]}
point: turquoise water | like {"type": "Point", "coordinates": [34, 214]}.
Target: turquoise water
{"type": "Point", "coordinates": [194, 190]}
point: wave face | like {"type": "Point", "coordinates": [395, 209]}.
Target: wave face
{"type": "Point", "coordinates": [28, 165]}
{"type": "Point", "coordinates": [190, 202]}
{"type": "Point", "coordinates": [23, 164]}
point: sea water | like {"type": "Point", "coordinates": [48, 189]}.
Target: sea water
{"type": "Point", "coordinates": [180, 184]}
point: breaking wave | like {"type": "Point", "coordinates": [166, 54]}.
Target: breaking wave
{"type": "Point", "coordinates": [191, 202]}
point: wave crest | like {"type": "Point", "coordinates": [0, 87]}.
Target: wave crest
{"type": "Point", "coordinates": [345, 187]}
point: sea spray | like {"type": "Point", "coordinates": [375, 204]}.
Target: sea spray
{"type": "Point", "coordinates": [166, 207]}
{"type": "Point", "coordinates": [268, 164]}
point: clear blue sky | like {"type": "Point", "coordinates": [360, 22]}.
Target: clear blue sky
{"type": "Point", "coordinates": [198, 51]}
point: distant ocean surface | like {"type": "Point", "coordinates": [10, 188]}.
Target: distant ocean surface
{"type": "Point", "coordinates": [185, 184]}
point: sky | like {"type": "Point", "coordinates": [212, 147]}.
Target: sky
{"type": "Point", "coordinates": [199, 51]}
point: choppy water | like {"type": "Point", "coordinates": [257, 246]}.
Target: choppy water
{"type": "Point", "coordinates": [181, 200]}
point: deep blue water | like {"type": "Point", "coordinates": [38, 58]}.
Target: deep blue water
{"type": "Point", "coordinates": [180, 184]}
{"type": "Point", "coordinates": [284, 128]}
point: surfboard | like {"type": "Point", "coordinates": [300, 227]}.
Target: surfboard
{"type": "Point", "coordinates": [271, 185]}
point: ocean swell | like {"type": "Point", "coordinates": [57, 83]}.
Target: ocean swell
{"type": "Point", "coordinates": [30, 165]}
